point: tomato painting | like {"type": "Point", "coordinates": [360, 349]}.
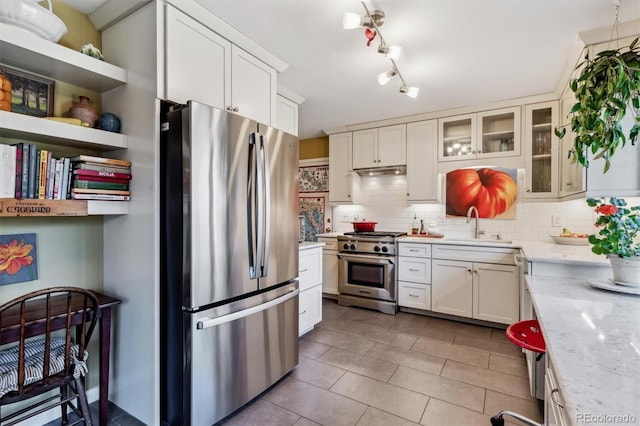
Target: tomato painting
{"type": "Point", "coordinates": [492, 191]}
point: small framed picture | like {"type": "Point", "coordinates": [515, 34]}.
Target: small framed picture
{"type": "Point", "coordinates": [30, 94]}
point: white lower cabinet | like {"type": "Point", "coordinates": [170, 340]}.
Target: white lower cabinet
{"type": "Point", "coordinates": [414, 275]}
{"type": "Point", "coordinates": [555, 412]}
{"type": "Point", "coordinates": [452, 288]}
{"type": "Point", "coordinates": [310, 279]}
{"type": "Point", "coordinates": [478, 290]}
{"type": "Point", "coordinates": [329, 265]}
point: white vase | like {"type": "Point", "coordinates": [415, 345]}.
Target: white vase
{"type": "Point", "coordinates": [626, 270]}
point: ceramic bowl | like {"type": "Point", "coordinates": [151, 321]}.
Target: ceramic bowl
{"type": "Point", "coordinates": [32, 17]}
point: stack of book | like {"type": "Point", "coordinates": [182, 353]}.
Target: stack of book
{"type": "Point", "coordinates": [28, 172]}
{"type": "Point", "coordinates": [98, 178]}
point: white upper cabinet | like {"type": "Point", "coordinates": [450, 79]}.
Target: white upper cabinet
{"type": "Point", "coordinates": [344, 184]}
{"type": "Point", "coordinates": [287, 115]}
{"type": "Point", "coordinates": [205, 67]}
{"type": "Point", "coordinates": [253, 87]}
{"type": "Point", "coordinates": [541, 148]}
{"type": "Point", "coordinates": [487, 134]}
{"type": "Point", "coordinates": [190, 73]}
{"type": "Point", "coordinates": [380, 147]}
{"type": "Point", "coordinates": [422, 161]}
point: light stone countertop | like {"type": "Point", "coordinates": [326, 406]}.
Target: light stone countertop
{"type": "Point", "coordinates": [593, 339]}
{"type": "Point", "coordinates": [535, 251]}
{"type": "Point", "coordinates": [330, 234]}
{"type": "Point", "coordinates": [306, 245]}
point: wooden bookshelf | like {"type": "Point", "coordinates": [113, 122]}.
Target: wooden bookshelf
{"type": "Point", "coordinates": [11, 207]}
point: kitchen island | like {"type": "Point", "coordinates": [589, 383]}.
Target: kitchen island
{"type": "Point", "coordinates": [592, 340]}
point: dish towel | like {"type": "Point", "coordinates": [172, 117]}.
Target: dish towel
{"type": "Point", "coordinates": [34, 354]}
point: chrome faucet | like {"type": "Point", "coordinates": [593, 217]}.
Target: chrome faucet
{"type": "Point", "coordinates": [471, 210]}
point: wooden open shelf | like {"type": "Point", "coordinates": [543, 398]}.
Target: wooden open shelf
{"type": "Point", "coordinates": [11, 207]}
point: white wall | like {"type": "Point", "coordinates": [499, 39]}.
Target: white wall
{"type": "Point", "coordinates": [384, 201]}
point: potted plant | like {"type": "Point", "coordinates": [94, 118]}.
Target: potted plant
{"type": "Point", "coordinates": [605, 90]}
{"type": "Point", "coordinates": [618, 237]}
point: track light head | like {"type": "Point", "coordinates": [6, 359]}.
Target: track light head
{"type": "Point", "coordinates": [411, 91]}
{"type": "Point", "coordinates": [385, 77]}
{"type": "Point", "coordinates": [352, 20]}
{"type": "Point", "coordinates": [391, 52]}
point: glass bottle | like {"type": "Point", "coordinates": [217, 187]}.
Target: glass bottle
{"type": "Point", "coordinates": [414, 225]}
{"type": "Point", "coordinates": [423, 230]}
{"type": "Point", "coordinates": [5, 91]}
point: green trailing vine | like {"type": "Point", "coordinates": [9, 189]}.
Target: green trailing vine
{"type": "Point", "coordinates": [606, 89]}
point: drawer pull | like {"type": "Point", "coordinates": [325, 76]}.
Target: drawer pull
{"type": "Point", "coordinates": [303, 312]}
{"type": "Point", "coordinates": [414, 250]}
{"type": "Point", "coordinates": [414, 270]}
{"type": "Point", "coordinates": [413, 295]}
{"type": "Point", "coordinates": [555, 400]}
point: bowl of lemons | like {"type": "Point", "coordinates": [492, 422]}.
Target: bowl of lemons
{"type": "Point", "coordinates": [569, 238]}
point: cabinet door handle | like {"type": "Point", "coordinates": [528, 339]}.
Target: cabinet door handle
{"type": "Point", "coordinates": [554, 399]}
{"type": "Point", "coordinates": [475, 271]}
{"type": "Point", "coordinates": [414, 270]}
{"type": "Point", "coordinates": [408, 194]}
{"type": "Point", "coordinates": [303, 312]}
{"type": "Point", "coordinates": [303, 270]}
{"type": "Point", "coordinates": [413, 295]}
{"type": "Point", "coordinates": [569, 184]}
{"type": "Point", "coordinates": [469, 270]}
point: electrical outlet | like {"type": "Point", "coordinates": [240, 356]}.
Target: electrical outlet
{"type": "Point", "coordinates": [346, 218]}
{"type": "Point", "coordinates": [556, 220]}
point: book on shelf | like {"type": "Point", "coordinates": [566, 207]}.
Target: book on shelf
{"type": "Point", "coordinates": [102, 168]}
{"type": "Point", "coordinates": [82, 172]}
{"type": "Point", "coordinates": [7, 171]}
{"type": "Point", "coordinates": [25, 169]}
{"type": "Point", "coordinates": [100, 160]}
{"type": "Point", "coordinates": [18, 171]}
{"type": "Point", "coordinates": [42, 176]}
{"type": "Point", "coordinates": [100, 179]}
{"type": "Point", "coordinates": [103, 197]}
{"type": "Point", "coordinates": [91, 184]}
{"type": "Point", "coordinates": [65, 178]}
{"type": "Point", "coordinates": [51, 173]}
{"type": "Point", "coordinates": [33, 162]}
{"type": "Point", "coordinates": [99, 191]}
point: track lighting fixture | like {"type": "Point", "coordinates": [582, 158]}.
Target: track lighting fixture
{"type": "Point", "coordinates": [373, 20]}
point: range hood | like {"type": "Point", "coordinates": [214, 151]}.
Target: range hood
{"type": "Point", "coordinates": [376, 171]}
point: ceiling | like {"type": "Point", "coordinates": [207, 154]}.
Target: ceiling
{"type": "Point", "coordinates": [458, 52]}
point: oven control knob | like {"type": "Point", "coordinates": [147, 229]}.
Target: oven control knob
{"type": "Point", "coordinates": [376, 249]}
{"type": "Point", "coordinates": [353, 247]}
{"type": "Point", "coordinates": [385, 249]}
{"type": "Point", "coordinates": [346, 246]}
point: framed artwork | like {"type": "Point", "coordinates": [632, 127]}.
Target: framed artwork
{"type": "Point", "coordinates": [30, 94]}
{"type": "Point", "coordinates": [492, 190]}
{"type": "Point", "coordinates": [314, 178]}
{"type": "Point", "coordinates": [18, 258]}
{"type": "Point", "coordinates": [312, 209]}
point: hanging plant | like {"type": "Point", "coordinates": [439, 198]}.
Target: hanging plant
{"type": "Point", "coordinates": [605, 91]}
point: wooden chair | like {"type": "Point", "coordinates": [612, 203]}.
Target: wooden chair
{"type": "Point", "coordinates": [23, 372]}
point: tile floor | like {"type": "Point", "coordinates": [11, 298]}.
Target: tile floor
{"type": "Point", "coordinates": [361, 367]}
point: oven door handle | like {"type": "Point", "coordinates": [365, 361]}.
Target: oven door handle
{"type": "Point", "coordinates": [366, 259]}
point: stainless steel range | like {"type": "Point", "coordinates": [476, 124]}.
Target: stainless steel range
{"type": "Point", "coordinates": [367, 270]}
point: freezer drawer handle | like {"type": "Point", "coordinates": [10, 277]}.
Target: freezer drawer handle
{"type": "Point", "coordinates": [212, 322]}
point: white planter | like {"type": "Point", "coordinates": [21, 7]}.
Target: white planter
{"type": "Point", "coordinates": [626, 270]}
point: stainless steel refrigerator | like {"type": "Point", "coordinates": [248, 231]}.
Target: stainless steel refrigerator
{"type": "Point", "coordinates": [229, 261]}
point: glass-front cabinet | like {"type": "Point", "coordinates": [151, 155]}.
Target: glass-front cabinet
{"type": "Point", "coordinates": [487, 134]}
{"type": "Point", "coordinates": [542, 149]}
{"type": "Point", "coordinates": [457, 138]}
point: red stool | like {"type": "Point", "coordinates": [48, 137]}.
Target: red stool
{"type": "Point", "coordinates": [527, 335]}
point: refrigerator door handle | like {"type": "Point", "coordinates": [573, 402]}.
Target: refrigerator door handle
{"type": "Point", "coordinates": [252, 223]}
{"type": "Point", "coordinates": [206, 322]}
{"type": "Point", "coordinates": [266, 184]}
{"type": "Point", "coordinates": [259, 142]}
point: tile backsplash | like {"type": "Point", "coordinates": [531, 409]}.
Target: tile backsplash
{"type": "Point", "coordinates": [384, 201]}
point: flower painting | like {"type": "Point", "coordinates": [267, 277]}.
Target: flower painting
{"type": "Point", "coordinates": [18, 258]}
